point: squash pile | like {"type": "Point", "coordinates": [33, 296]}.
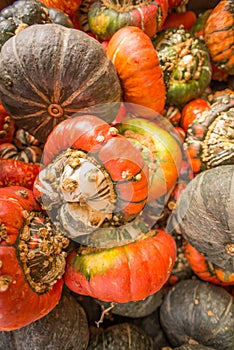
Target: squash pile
{"type": "Point", "coordinates": [117, 174]}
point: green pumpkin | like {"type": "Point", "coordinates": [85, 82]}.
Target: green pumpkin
{"type": "Point", "coordinates": [185, 63]}
{"type": "Point", "coordinates": [105, 17]}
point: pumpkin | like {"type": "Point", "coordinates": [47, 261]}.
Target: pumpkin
{"type": "Point", "coordinates": [125, 273]}
{"type": "Point", "coordinates": [67, 6]}
{"type": "Point", "coordinates": [198, 30]}
{"type": "Point", "coordinates": [7, 126]}
{"type": "Point", "coordinates": [205, 270]}
{"type": "Point", "coordinates": [28, 155]}
{"type": "Point", "coordinates": [93, 177]}
{"type": "Point", "coordinates": [191, 110]}
{"type": "Point", "coordinates": [24, 147]}
{"type": "Point", "coordinates": [121, 336]}
{"type": "Point", "coordinates": [106, 17]}
{"type": "Point", "coordinates": [138, 69]}
{"type": "Point", "coordinates": [32, 259]}
{"type": "Point", "coordinates": [210, 135]}
{"type": "Point", "coordinates": [203, 215]}
{"type": "Point", "coordinates": [65, 327]}
{"type": "Point", "coordinates": [15, 172]}
{"type": "Point", "coordinates": [160, 149]}
{"type": "Point", "coordinates": [77, 76]}
{"type": "Point", "coordinates": [194, 311]}
{"type": "Point", "coordinates": [218, 35]}
{"type": "Point", "coordinates": [185, 63]}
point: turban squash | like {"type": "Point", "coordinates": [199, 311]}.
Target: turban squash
{"type": "Point", "coordinates": [93, 177]}
{"type": "Point", "coordinates": [32, 260]}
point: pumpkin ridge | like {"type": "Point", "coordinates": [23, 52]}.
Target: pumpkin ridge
{"type": "Point", "coordinates": [124, 248]}
{"type": "Point", "coordinates": [22, 71]}
{"type": "Point", "coordinates": [20, 98]}
{"type": "Point", "coordinates": [92, 78]}
{"type": "Point", "coordinates": [113, 58]}
{"type": "Point", "coordinates": [46, 120]}
{"type": "Point", "coordinates": [128, 253]}
{"type": "Point", "coordinates": [58, 78]}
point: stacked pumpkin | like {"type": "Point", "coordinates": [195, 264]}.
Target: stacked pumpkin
{"type": "Point", "coordinates": [97, 214]}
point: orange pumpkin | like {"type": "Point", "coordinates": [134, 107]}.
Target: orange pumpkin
{"type": "Point", "coordinates": [137, 65]}
{"type": "Point", "coordinates": [219, 35]}
{"type": "Point", "coordinates": [122, 274]}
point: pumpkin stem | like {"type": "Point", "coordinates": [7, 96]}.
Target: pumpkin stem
{"type": "Point", "coordinates": [55, 110]}
{"type": "Point", "coordinates": [104, 312]}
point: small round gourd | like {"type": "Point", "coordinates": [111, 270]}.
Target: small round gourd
{"type": "Point", "coordinates": [48, 72]}
{"type": "Point", "coordinates": [195, 311]}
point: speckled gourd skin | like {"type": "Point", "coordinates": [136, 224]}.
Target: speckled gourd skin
{"type": "Point", "coordinates": [196, 311]}
{"type": "Point", "coordinates": [204, 215]}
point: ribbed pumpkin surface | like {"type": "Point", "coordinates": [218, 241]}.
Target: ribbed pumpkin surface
{"type": "Point", "coordinates": [219, 35]}
{"type": "Point", "coordinates": [49, 72]}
